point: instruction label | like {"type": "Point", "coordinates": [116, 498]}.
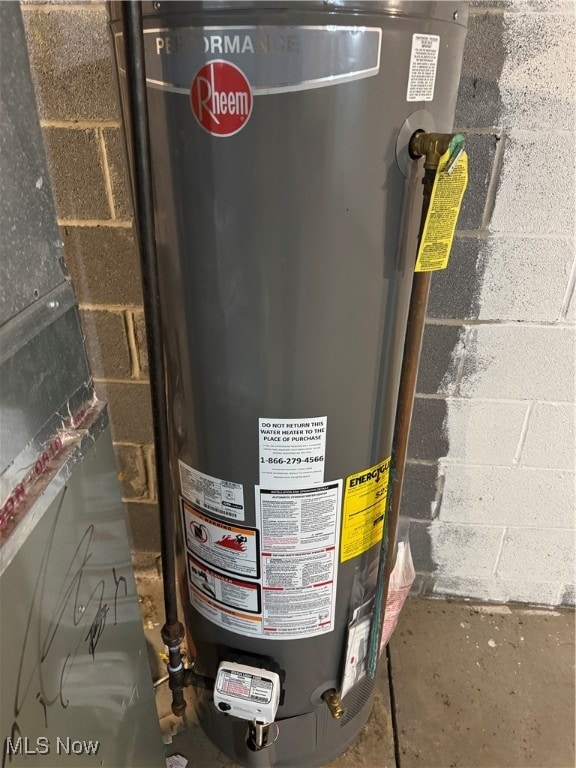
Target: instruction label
{"type": "Point", "coordinates": [228, 591]}
{"type": "Point", "coordinates": [292, 452]}
{"type": "Point", "coordinates": [227, 618]}
{"type": "Point", "coordinates": [223, 571]}
{"type": "Point", "coordinates": [219, 497]}
{"type": "Point", "coordinates": [364, 510]}
{"type": "Point", "coordinates": [298, 519]}
{"type": "Point", "coordinates": [356, 653]}
{"type": "Point", "coordinates": [288, 591]}
{"type": "Point", "coordinates": [423, 64]}
{"type": "Point", "coordinates": [228, 547]}
{"type": "Point", "coordinates": [440, 225]}
{"type": "Point", "coordinates": [299, 530]}
{"type": "Point", "coordinates": [244, 686]}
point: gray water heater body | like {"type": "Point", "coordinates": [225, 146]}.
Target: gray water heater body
{"type": "Point", "coordinates": [286, 224]}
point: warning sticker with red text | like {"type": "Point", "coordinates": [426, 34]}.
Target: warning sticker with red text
{"type": "Point", "coordinates": [228, 618]}
{"type": "Point", "coordinates": [225, 546]}
{"type": "Point", "coordinates": [299, 534]}
{"type": "Point", "coordinates": [228, 591]}
{"type": "Point", "coordinates": [223, 564]}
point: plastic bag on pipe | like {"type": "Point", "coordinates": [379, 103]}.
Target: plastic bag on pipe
{"type": "Point", "coordinates": [401, 580]}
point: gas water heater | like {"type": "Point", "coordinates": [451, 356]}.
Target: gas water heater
{"type": "Point", "coordinates": [286, 211]}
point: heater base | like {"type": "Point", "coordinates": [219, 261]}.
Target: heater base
{"type": "Point", "coordinates": [311, 739]}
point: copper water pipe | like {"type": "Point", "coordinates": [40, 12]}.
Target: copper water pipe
{"type": "Point", "coordinates": [431, 146]}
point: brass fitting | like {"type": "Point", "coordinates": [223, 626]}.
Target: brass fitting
{"type": "Point", "coordinates": [431, 146]}
{"type": "Point", "coordinates": [333, 703]}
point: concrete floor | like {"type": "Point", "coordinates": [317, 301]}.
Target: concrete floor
{"type": "Point", "coordinates": [483, 686]}
{"type": "Point", "coordinates": [473, 686]}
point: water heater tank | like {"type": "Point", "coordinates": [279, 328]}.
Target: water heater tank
{"type": "Point", "coordinates": [286, 217]}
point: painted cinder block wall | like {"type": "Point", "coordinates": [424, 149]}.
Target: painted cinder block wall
{"type": "Point", "coordinates": [490, 481]}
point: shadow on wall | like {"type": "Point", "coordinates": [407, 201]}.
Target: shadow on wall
{"type": "Point", "coordinates": [455, 293]}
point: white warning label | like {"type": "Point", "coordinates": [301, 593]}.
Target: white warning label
{"type": "Point", "coordinates": [294, 570]}
{"type": "Point", "coordinates": [300, 531]}
{"type": "Point", "coordinates": [223, 559]}
{"type": "Point", "coordinates": [226, 590]}
{"type": "Point", "coordinates": [226, 546]}
{"type": "Point", "coordinates": [244, 686]}
{"type": "Point", "coordinates": [292, 452]}
{"type": "Point", "coordinates": [233, 620]}
{"type": "Point", "coordinates": [293, 593]}
{"type": "Point", "coordinates": [423, 63]}
{"type": "Point", "coordinates": [356, 652]}
{"type": "Point", "coordinates": [218, 497]}
{"type": "Point", "coordinates": [298, 519]}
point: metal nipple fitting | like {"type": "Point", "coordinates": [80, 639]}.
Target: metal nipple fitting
{"type": "Point", "coordinates": [430, 146]}
{"type": "Point", "coordinates": [333, 703]}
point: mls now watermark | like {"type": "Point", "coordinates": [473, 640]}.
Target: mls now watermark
{"type": "Point", "coordinates": [23, 745]}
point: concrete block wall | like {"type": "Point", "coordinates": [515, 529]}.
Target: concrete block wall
{"type": "Point", "coordinates": [70, 57]}
{"type": "Point", "coordinates": [490, 482]}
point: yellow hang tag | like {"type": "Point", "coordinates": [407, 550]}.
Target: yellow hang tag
{"type": "Point", "coordinates": [447, 193]}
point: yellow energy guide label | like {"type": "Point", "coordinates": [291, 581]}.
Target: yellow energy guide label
{"type": "Point", "coordinates": [364, 510]}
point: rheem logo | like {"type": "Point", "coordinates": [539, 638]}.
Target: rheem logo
{"type": "Point", "coordinates": [221, 98]}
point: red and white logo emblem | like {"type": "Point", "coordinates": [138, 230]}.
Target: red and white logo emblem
{"type": "Point", "coordinates": [221, 98]}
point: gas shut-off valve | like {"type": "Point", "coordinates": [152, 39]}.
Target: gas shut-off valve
{"type": "Point", "coordinates": [252, 694]}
